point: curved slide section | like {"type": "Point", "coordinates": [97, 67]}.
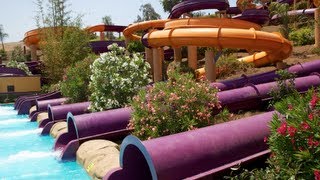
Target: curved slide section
{"type": "Point", "coordinates": [110, 125]}
{"type": "Point", "coordinates": [297, 12]}
{"type": "Point", "coordinates": [299, 70]}
{"type": "Point", "coordinates": [24, 104]}
{"type": "Point", "coordinates": [194, 5]}
{"type": "Point", "coordinates": [205, 152]}
{"type": "Point", "coordinates": [32, 37]}
{"type": "Point", "coordinates": [104, 27]}
{"type": "Point", "coordinates": [42, 106]}
{"type": "Point", "coordinates": [273, 46]}
{"type": "Point", "coordinates": [59, 113]}
{"type": "Point", "coordinates": [143, 26]}
{"type": "Point", "coordinates": [258, 16]}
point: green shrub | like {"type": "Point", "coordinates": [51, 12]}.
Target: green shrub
{"type": "Point", "coordinates": [18, 55]}
{"type": "Point", "coordinates": [116, 77]}
{"type": "Point", "coordinates": [61, 48]}
{"type": "Point", "coordinates": [285, 86]}
{"type": "Point", "coordinates": [75, 84]}
{"type": "Point", "coordinates": [302, 36]}
{"type": "Point", "coordinates": [135, 46]}
{"type": "Point", "coordinates": [178, 105]}
{"type": "Point", "coordinates": [19, 65]}
{"type": "Point", "coordinates": [228, 65]}
{"type": "Point", "coordinates": [3, 55]}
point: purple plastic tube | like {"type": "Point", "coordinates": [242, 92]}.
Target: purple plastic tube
{"type": "Point", "coordinates": [26, 103]}
{"type": "Point", "coordinates": [42, 106]}
{"type": "Point", "coordinates": [58, 113]}
{"type": "Point", "coordinates": [200, 153]}
{"type": "Point", "coordinates": [194, 5]}
{"type": "Point", "coordinates": [111, 125]}
{"type": "Point", "coordinates": [252, 96]}
{"type": "Point", "coordinates": [299, 70]}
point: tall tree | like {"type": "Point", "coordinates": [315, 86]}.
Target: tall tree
{"type": "Point", "coordinates": [56, 14]}
{"type": "Point", "coordinates": [63, 42]}
{"type": "Point", "coordinates": [148, 13]}
{"type": "Point", "coordinates": [168, 4]}
{"type": "Point", "coordinates": [3, 35]}
{"type": "Point", "coordinates": [108, 21]}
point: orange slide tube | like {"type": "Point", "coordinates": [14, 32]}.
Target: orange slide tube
{"type": "Point", "coordinates": [31, 37]}
{"type": "Point", "coordinates": [129, 31]}
{"type": "Point", "coordinates": [220, 33]}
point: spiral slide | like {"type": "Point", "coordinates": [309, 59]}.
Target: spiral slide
{"type": "Point", "coordinates": [102, 45]}
{"type": "Point", "coordinates": [213, 32]}
{"type": "Point", "coordinates": [31, 38]}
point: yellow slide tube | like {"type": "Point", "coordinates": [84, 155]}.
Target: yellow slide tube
{"type": "Point", "coordinates": [220, 33]}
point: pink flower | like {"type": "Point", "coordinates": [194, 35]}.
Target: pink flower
{"type": "Point", "coordinates": [313, 101]}
{"type": "Point", "coordinates": [305, 125]}
{"type": "Point", "coordinates": [290, 107]}
{"type": "Point", "coordinates": [282, 129]}
{"type": "Point", "coordinates": [310, 141]}
{"type": "Point", "coordinates": [292, 131]}
{"type": "Point", "coordinates": [265, 139]}
{"type": "Point", "coordinates": [310, 116]}
{"type": "Point", "coordinates": [316, 174]}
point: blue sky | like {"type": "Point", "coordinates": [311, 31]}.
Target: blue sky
{"type": "Point", "coordinates": [17, 16]}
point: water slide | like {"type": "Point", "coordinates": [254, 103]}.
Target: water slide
{"type": "Point", "coordinates": [194, 5]}
{"type": "Point", "coordinates": [102, 45]}
{"type": "Point", "coordinates": [42, 106]}
{"type": "Point", "coordinates": [59, 113]}
{"type": "Point", "coordinates": [11, 71]}
{"type": "Point", "coordinates": [309, 12]}
{"type": "Point", "coordinates": [214, 32]}
{"type": "Point", "coordinates": [112, 124]}
{"type": "Point", "coordinates": [31, 38]}
{"type": "Point", "coordinates": [202, 153]}
{"type": "Point", "coordinates": [258, 16]}
{"type": "Point", "coordinates": [23, 104]}
{"type": "Point", "coordinates": [299, 70]}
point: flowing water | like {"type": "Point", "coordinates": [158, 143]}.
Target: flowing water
{"type": "Point", "coordinates": [24, 154]}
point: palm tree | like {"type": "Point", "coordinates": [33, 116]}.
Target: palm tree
{"type": "Point", "coordinates": [3, 35]}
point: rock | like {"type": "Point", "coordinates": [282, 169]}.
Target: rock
{"type": "Point", "coordinates": [93, 162]}
{"type": "Point", "coordinates": [89, 148]}
{"type": "Point", "coordinates": [101, 165]}
{"type": "Point", "coordinates": [33, 108]}
{"type": "Point", "coordinates": [58, 128]}
{"type": "Point", "coordinates": [42, 116]}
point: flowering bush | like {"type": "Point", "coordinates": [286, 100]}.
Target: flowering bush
{"type": "Point", "coordinates": [295, 137]}
{"type": "Point", "coordinates": [19, 65]}
{"type": "Point", "coordinates": [294, 140]}
{"type": "Point", "coordinates": [178, 105]}
{"type": "Point", "coordinates": [116, 78]}
{"type": "Point", "coordinates": [75, 84]}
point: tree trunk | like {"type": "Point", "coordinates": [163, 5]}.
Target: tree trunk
{"type": "Point", "coordinates": [2, 45]}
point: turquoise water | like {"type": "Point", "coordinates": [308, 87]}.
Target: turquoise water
{"type": "Point", "coordinates": [24, 154]}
